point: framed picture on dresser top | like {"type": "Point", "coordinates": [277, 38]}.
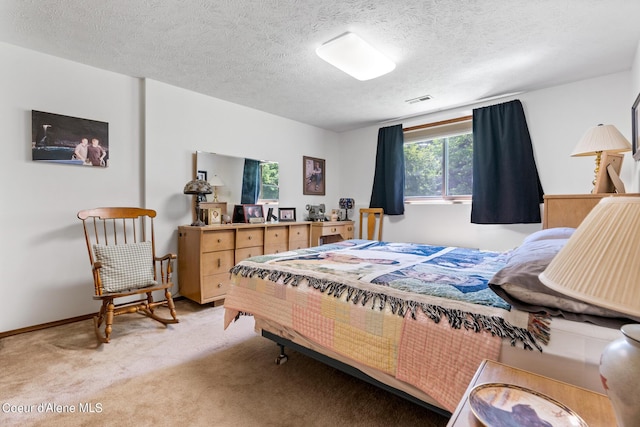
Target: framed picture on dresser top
{"type": "Point", "coordinates": [248, 213]}
{"type": "Point", "coordinates": [287, 214]}
{"type": "Point", "coordinates": [215, 216]}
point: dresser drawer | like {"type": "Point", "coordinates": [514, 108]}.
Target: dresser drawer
{"type": "Point", "coordinates": [215, 285]}
{"type": "Point", "coordinates": [218, 240]}
{"type": "Point", "coordinates": [246, 238]}
{"type": "Point", "coordinates": [242, 254]}
{"type": "Point", "coordinates": [298, 244]}
{"type": "Point", "coordinates": [276, 236]}
{"type": "Point", "coordinates": [329, 230]}
{"type": "Point", "coordinates": [276, 248]}
{"type": "Point", "coordinates": [299, 233]}
{"type": "Point", "coordinates": [217, 262]}
{"type": "Point", "coordinates": [348, 232]}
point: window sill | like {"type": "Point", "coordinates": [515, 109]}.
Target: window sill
{"type": "Point", "coordinates": [438, 202]}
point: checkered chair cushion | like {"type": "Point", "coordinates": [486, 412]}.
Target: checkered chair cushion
{"type": "Point", "coordinates": [127, 266]}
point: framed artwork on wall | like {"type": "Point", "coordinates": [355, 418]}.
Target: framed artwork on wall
{"type": "Point", "coordinates": [313, 176]}
{"type": "Point", "coordinates": [201, 175]}
{"type": "Point", "coordinates": [635, 122]}
{"type": "Point", "coordinates": [69, 140]}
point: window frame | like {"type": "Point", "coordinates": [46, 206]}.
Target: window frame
{"type": "Point", "coordinates": [441, 129]}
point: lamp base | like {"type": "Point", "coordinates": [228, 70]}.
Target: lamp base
{"type": "Point", "coordinates": [620, 375]}
{"type": "Point", "coordinates": [198, 222]}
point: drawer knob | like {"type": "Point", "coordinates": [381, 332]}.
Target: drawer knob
{"type": "Point", "coordinates": [250, 237]}
{"type": "Point", "coordinates": [276, 234]}
{"type": "Point", "coordinates": [219, 262]}
{"type": "Point", "coordinates": [219, 285]}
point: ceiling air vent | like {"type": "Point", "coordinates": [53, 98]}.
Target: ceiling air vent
{"type": "Point", "coordinates": [418, 99]}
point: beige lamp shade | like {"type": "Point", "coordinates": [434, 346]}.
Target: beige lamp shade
{"type": "Point", "coordinates": [216, 181]}
{"type": "Point", "coordinates": [600, 263]}
{"type": "Point", "coordinates": [601, 138]}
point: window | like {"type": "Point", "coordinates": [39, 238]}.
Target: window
{"type": "Point", "coordinates": [269, 185]}
{"type": "Point", "coordinates": [438, 160]}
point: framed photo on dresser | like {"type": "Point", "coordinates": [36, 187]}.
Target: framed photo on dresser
{"type": "Point", "coordinates": [286, 214]}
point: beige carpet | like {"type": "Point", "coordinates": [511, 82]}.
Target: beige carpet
{"type": "Point", "coordinates": [190, 374]}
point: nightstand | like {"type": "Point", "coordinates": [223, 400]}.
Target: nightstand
{"type": "Point", "coordinates": [594, 408]}
{"type": "Point", "coordinates": [568, 210]}
{"type": "Point", "coordinates": [331, 232]}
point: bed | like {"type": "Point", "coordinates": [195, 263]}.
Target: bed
{"type": "Point", "coordinates": [362, 306]}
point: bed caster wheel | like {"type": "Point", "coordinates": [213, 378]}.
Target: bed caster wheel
{"type": "Point", "coordinates": [281, 359]}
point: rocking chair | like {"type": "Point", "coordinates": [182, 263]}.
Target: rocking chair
{"type": "Point", "coordinates": [121, 245]}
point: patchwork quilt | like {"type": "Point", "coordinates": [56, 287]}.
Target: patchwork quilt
{"type": "Point", "coordinates": [423, 314]}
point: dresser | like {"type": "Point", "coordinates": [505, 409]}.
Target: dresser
{"type": "Point", "coordinates": [324, 232]}
{"type": "Point", "coordinates": [206, 254]}
{"type": "Point", "coordinates": [568, 210]}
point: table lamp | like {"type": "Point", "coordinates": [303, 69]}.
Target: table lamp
{"type": "Point", "coordinates": [598, 139]}
{"type": "Point", "coordinates": [199, 188]}
{"type": "Point", "coordinates": [216, 182]}
{"type": "Point", "coordinates": [600, 264]}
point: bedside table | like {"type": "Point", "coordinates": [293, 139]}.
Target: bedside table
{"type": "Point", "coordinates": [594, 408]}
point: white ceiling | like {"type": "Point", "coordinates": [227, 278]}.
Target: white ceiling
{"type": "Point", "coordinates": [261, 53]}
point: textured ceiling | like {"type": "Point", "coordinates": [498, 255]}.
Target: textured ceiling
{"type": "Point", "coordinates": [261, 53]}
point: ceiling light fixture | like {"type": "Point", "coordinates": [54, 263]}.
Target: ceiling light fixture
{"type": "Point", "coordinates": [355, 57]}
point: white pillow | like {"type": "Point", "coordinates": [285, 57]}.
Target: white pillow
{"type": "Point", "coordinates": [127, 266]}
{"type": "Point", "coordinates": [549, 234]}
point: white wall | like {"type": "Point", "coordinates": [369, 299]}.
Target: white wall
{"type": "Point", "coordinates": [45, 272]}
{"type": "Point", "coordinates": [557, 117]}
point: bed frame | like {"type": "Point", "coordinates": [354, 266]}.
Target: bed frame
{"type": "Point", "coordinates": [350, 369]}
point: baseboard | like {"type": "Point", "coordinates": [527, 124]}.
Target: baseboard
{"type": "Point", "coordinates": [55, 323]}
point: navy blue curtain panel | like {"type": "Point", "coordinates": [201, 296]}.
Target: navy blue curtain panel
{"type": "Point", "coordinates": [250, 182]}
{"type": "Point", "coordinates": [388, 181]}
{"type": "Point", "coordinates": [506, 185]}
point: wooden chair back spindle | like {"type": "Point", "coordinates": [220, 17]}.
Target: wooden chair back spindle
{"type": "Point", "coordinates": [372, 218]}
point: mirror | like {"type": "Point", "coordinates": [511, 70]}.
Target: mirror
{"type": "Point", "coordinates": [230, 170]}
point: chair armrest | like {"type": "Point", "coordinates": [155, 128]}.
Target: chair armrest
{"type": "Point", "coordinates": [97, 282]}
{"type": "Point", "coordinates": [166, 266]}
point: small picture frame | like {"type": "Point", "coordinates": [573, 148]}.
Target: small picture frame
{"type": "Point", "coordinates": [313, 176]}
{"type": "Point", "coordinates": [215, 216]}
{"type": "Point", "coordinates": [286, 214]}
{"type": "Point", "coordinates": [201, 175]}
{"type": "Point", "coordinates": [608, 178]}
{"type": "Point", "coordinates": [252, 213]}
